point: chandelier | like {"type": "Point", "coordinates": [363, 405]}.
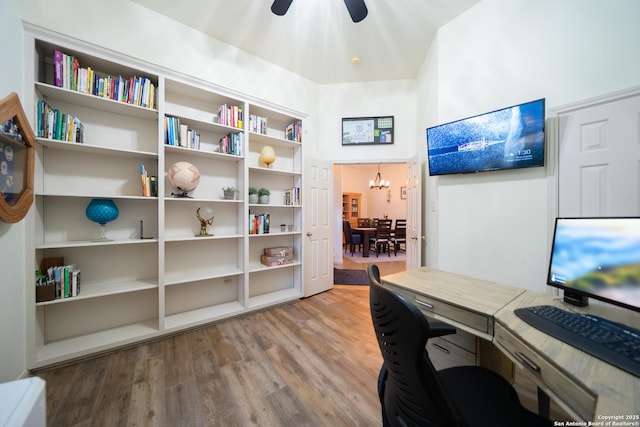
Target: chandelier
{"type": "Point", "coordinates": [379, 183]}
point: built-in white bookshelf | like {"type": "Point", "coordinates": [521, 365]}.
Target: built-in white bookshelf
{"type": "Point", "coordinates": [143, 284]}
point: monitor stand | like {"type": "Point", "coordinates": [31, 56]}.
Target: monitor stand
{"type": "Point", "coordinates": [575, 299]}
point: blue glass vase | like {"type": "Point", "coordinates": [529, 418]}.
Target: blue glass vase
{"type": "Point", "coordinates": [102, 211]}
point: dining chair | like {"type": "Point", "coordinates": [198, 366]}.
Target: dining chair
{"type": "Point", "coordinates": [382, 238]}
{"type": "Point", "coordinates": [399, 237]}
{"type": "Point", "coordinates": [351, 239]}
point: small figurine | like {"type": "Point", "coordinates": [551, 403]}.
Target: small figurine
{"type": "Point", "coordinates": [204, 223]}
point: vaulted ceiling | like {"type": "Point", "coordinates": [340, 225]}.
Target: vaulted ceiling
{"type": "Point", "coordinates": [317, 38]}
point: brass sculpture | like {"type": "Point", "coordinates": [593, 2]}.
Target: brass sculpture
{"type": "Point", "coordinates": [204, 222]}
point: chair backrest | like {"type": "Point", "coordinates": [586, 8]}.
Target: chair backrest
{"type": "Point", "coordinates": [400, 230]}
{"type": "Point", "coordinates": [413, 395]}
{"type": "Point", "coordinates": [346, 230]}
{"type": "Point", "coordinates": [383, 229]}
{"type": "Point", "coordinates": [364, 222]}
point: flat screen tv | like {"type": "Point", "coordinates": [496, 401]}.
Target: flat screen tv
{"type": "Point", "coordinates": [597, 258]}
{"type": "Point", "coordinates": [509, 138]}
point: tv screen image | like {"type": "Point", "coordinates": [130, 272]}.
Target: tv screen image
{"type": "Point", "coordinates": [509, 138]}
{"type": "Point", "coordinates": [597, 258]}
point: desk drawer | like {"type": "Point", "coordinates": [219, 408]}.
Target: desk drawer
{"type": "Point", "coordinates": [547, 376]}
{"type": "Point", "coordinates": [462, 339]}
{"type": "Point", "coordinates": [439, 310]}
{"type": "Point", "coordinates": [444, 354]}
{"type": "Point", "coordinates": [478, 322]}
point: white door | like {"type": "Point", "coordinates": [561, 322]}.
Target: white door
{"type": "Point", "coordinates": [599, 154]}
{"type": "Point", "coordinates": [318, 252]}
{"type": "Point", "coordinates": [414, 222]}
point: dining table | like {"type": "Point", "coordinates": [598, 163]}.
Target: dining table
{"type": "Point", "coordinates": [365, 232]}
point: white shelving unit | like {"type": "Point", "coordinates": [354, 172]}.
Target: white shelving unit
{"type": "Point", "coordinates": [134, 289]}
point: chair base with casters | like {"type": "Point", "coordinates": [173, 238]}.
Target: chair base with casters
{"type": "Point", "coordinates": [413, 393]}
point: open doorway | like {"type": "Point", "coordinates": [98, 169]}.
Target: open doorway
{"type": "Point", "coordinates": [354, 199]}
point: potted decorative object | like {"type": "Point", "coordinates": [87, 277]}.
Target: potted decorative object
{"type": "Point", "coordinates": [253, 195]}
{"type": "Point", "coordinates": [283, 227]}
{"type": "Point", "coordinates": [229, 193]}
{"type": "Point", "coordinates": [263, 196]}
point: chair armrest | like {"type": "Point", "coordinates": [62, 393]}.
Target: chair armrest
{"type": "Point", "coordinates": [438, 328]}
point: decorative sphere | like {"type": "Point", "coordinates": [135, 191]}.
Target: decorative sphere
{"type": "Point", "coordinates": [184, 176]}
{"type": "Point", "coordinates": [267, 155]}
{"type": "Point", "coordinates": [102, 211]}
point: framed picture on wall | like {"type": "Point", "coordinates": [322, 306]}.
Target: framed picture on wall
{"type": "Point", "coordinates": [403, 192]}
{"type": "Point", "coordinates": [367, 130]}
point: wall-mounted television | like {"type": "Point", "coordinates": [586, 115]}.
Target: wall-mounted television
{"type": "Point", "coordinates": [597, 258]}
{"type": "Point", "coordinates": [509, 138]}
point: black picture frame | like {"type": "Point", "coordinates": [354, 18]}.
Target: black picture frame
{"type": "Point", "coordinates": [376, 130]}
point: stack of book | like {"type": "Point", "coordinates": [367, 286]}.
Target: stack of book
{"type": "Point", "coordinates": [230, 115]}
{"type": "Point", "coordinates": [56, 281]}
{"type": "Point", "coordinates": [257, 124]}
{"type": "Point", "coordinates": [68, 74]}
{"type": "Point", "coordinates": [180, 135]}
{"type": "Point", "coordinates": [259, 223]}
{"type": "Point", "coordinates": [293, 131]}
{"type": "Point", "coordinates": [292, 196]}
{"type": "Point", "coordinates": [52, 123]}
{"type": "Point", "coordinates": [232, 144]}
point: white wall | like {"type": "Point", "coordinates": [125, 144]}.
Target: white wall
{"type": "Point", "coordinates": [388, 98]}
{"type": "Point", "coordinates": [503, 52]}
{"type": "Point", "coordinates": [12, 236]}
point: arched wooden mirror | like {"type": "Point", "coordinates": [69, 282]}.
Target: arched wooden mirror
{"type": "Point", "coordinates": [17, 145]}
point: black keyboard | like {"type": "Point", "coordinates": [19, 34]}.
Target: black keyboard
{"type": "Point", "coordinates": [615, 343]}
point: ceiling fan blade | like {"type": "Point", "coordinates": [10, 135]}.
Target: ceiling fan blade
{"type": "Point", "coordinates": [280, 7]}
{"type": "Point", "coordinates": [357, 9]}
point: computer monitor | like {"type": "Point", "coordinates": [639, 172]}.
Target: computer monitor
{"type": "Point", "coordinates": [597, 258]}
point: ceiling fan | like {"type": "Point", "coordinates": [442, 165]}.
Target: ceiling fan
{"type": "Point", "coordinates": [357, 9]}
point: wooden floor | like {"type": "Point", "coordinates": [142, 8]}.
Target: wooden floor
{"type": "Point", "coordinates": [313, 362]}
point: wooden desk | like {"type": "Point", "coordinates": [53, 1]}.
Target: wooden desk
{"type": "Point", "coordinates": [586, 387]}
{"type": "Point", "coordinates": [365, 232]}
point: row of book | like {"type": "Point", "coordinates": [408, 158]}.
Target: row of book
{"type": "Point", "coordinates": [259, 223]}
{"type": "Point", "coordinates": [232, 144]}
{"type": "Point", "coordinates": [68, 74]}
{"type": "Point", "coordinates": [180, 135]}
{"type": "Point", "coordinates": [58, 282]}
{"type": "Point", "coordinates": [257, 124]}
{"type": "Point", "coordinates": [292, 196]}
{"type": "Point", "coordinates": [54, 124]}
{"type": "Point", "coordinates": [293, 131]}
{"type": "Point", "coordinates": [231, 115]}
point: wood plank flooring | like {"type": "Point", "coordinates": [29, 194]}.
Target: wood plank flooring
{"type": "Point", "coordinates": [313, 362]}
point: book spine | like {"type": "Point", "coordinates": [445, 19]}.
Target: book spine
{"type": "Point", "coordinates": [57, 63]}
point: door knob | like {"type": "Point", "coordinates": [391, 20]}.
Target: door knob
{"type": "Point", "coordinates": [309, 234]}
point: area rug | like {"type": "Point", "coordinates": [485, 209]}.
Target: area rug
{"type": "Point", "coordinates": [344, 276]}
{"type": "Point", "coordinates": [357, 257]}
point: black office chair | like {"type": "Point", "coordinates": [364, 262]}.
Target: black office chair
{"type": "Point", "coordinates": [413, 393]}
{"type": "Point", "coordinates": [351, 239]}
